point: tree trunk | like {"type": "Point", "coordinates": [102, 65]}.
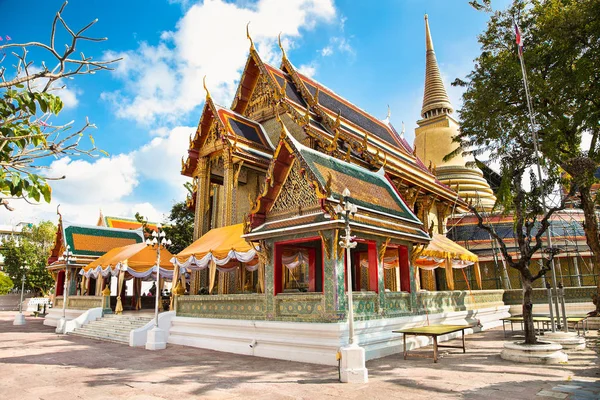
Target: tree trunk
{"type": "Point", "coordinates": [528, 310]}
{"type": "Point", "coordinates": [591, 234]}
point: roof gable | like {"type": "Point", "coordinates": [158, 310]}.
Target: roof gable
{"type": "Point", "coordinates": [369, 190]}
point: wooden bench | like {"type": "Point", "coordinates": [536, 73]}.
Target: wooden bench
{"type": "Point", "coordinates": [434, 331]}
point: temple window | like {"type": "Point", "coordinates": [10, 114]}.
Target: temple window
{"type": "Point", "coordinates": [363, 260]}
{"type": "Point", "coordinates": [299, 266]}
{"type": "Point", "coordinates": [396, 269]}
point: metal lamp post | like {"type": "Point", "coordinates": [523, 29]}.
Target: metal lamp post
{"type": "Point", "coordinates": [156, 339]}
{"type": "Point", "coordinates": [348, 243]}
{"type": "Point", "coordinates": [352, 367]}
{"type": "Point", "coordinates": [20, 318]}
{"type": "Point", "coordinates": [68, 257]}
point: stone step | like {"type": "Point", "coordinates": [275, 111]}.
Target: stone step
{"type": "Point", "coordinates": [104, 330]}
{"type": "Point", "coordinates": [115, 339]}
{"type": "Point", "coordinates": [111, 327]}
{"type": "Point", "coordinates": [119, 323]}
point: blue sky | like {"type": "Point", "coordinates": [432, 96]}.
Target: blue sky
{"type": "Point", "coordinates": [372, 53]}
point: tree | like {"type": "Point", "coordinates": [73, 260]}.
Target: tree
{"type": "Point", "coordinates": [27, 107]}
{"type": "Point", "coordinates": [562, 54]}
{"type": "Point", "coordinates": [6, 284]}
{"type": "Point", "coordinates": [32, 248]}
{"type": "Point", "coordinates": [180, 228]}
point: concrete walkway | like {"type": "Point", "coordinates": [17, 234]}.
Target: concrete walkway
{"type": "Point", "coordinates": [36, 363]}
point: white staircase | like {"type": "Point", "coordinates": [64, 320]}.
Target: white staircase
{"type": "Point", "coordinates": [112, 328]}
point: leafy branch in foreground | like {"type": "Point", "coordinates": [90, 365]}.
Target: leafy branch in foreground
{"type": "Point", "coordinates": [27, 105]}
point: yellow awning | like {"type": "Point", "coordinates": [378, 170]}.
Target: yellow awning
{"type": "Point", "coordinates": [138, 257]}
{"type": "Point", "coordinates": [218, 242]}
{"type": "Point", "coordinates": [442, 247]}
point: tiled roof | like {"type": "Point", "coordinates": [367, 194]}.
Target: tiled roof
{"type": "Point", "coordinates": [95, 240]}
{"type": "Point", "coordinates": [126, 223]}
{"type": "Point", "coordinates": [368, 189]}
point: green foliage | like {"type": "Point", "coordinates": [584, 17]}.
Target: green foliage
{"type": "Point", "coordinates": [6, 284]}
{"type": "Point", "coordinates": [144, 221]}
{"type": "Point", "coordinates": [181, 227]}
{"type": "Point", "coordinates": [562, 54]}
{"type": "Point", "coordinates": [31, 248]}
{"type": "Point", "coordinates": [28, 105]}
{"type": "Point", "coordinates": [20, 132]}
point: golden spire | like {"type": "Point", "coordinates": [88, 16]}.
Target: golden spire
{"type": "Point", "coordinates": [435, 97]}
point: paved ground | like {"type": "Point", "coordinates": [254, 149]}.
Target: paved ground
{"type": "Point", "coordinates": [36, 363]}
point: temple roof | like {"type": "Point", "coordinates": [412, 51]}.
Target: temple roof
{"type": "Point", "coordinates": [435, 96]}
{"type": "Point", "coordinates": [247, 137]}
{"type": "Point", "coordinates": [90, 241]}
{"type": "Point", "coordinates": [124, 223]}
{"type": "Point", "coordinates": [381, 209]}
{"type": "Point", "coordinates": [370, 190]}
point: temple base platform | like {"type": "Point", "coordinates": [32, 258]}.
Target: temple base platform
{"type": "Point", "coordinates": [318, 343]}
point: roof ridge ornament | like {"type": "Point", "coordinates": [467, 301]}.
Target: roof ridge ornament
{"type": "Point", "coordinates": [389, 113]}
{"type": "Point", "coordinates": [283, 54]}
{"type": "Point", "coordinates": [248, 36]}
{"type": "Point", "coordinates": [283, 133]}
{"type": "Point", "coordinates": [205, 88]}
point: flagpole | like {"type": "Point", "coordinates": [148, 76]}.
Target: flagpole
{"type": "Point", "coordinates": [539, 173]}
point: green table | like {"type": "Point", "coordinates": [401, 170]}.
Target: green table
{"type": "Point", "coordinates": [434, 331]}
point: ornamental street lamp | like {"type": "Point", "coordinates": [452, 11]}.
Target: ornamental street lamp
{"type": "Point", "coordinates": [68, 257]}
{"type": "Point", "coordinates": [156, 339]}
{"type": "Point", "coordinates": [348, 243]}
{"type": "Point", "coordinates": [352, 368]}
{"type": "Point", "coordinates": [20, 318]}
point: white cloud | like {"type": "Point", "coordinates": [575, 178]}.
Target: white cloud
{"type": "Point", "coordinates": [94, 182]}
{"type": "Point", "coordinates": [338, 44]}
{"type": "Point", "coordinates": [308, 69]}
{"type": "Point", "coordinates": [109, 183]}
{"type": "Point", "coordinates": [164, 82]}
{"type": "Point", "coordinates": [160, 160]}
{"type": "Point", "coordinates": [69, 97]}
{"type": "Point", "coordinates": [326, 51]}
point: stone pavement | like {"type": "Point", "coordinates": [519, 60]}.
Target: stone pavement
{"type": "Point", "coordinates": [36, 363]}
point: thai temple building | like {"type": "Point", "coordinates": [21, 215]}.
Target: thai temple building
{"type": "Point", "coordinates": [266, 274]}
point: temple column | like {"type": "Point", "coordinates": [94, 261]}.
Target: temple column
{"type": "Point", "coordinates": [202, 175]}
{"type": "Point", "coordinates": [229, 190]}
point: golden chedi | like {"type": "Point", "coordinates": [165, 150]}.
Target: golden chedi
{"type": "Point", "coordinates": [433, 138]}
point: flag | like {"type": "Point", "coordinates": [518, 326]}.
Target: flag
{"type": "Point", "coordinates": [519, 39]}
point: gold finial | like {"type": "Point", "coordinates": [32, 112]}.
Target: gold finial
{"type": "Point", "coordinates": [205, 88]}
{"type": "Point", "coordinates": [284, 56]}
{"type": "Point", "coordinates": [283, 134]}
{"type": "Point", "coordinates": [317, 96]}
{"type": "Point", "coordinates": [337, 122]}
{"type": "Point", "coordinates": [428, 41]}
{"type": "Point", "coordinates": [248, 36]}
